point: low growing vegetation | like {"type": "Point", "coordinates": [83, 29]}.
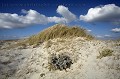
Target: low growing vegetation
{"type": "Point", "coordinates": [104, 53]}
{"type": "Point", "coordinates": [60, 62]}
{"type": "Point", "coordinates": [118, 44]}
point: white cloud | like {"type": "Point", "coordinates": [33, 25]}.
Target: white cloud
{"type": "Point", "coordinates": [107, 35]}
{"type": "Point", "coordinates": [116, 30]}
{"type": "Point", "coordinates": [106, 13]}
{"type": "Point", "coordinates": [62, 10]}
{"type": "Point", "coordinates": [89, 30]}
{"type": "Point", "coordinates": [103, 36]}
{"type": "Point", "coordinates": [57, 19]}
{"type": "Point", "coordinates": [31, 17]}
{"type": "Point", "coordinates": [8, 20]}
{"type": "Point", "coordinates": [99, 36]}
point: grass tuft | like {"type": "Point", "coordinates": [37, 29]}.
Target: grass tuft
{"type": "Point", "coordinates": [104, 53]}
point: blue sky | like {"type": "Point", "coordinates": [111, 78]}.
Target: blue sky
{"type": "Point", "coordinates": [100, 17]}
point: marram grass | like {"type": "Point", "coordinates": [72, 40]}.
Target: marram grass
{"type": "Point", "coordinates": [58, 31]}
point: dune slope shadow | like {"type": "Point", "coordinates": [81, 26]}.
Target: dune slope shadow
{"type": "Point", "coordinates": [10, 60]}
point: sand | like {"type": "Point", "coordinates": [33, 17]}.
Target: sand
{"type": "Point", "coordinates": [32, 63]}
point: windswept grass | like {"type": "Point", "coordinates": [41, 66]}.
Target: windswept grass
{"type": "Point", "coordinates": [58, 31]}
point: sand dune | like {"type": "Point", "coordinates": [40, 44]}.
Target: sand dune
{"type": "Point", "coordinates": [32, 63]}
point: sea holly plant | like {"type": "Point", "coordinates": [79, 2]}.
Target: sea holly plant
{"type": "Point", "coordinates": [59, 62]}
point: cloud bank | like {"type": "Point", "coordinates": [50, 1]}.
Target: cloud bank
{"type": "Point", "coordinates": [8, 20]}
{"type": "Point", "coordinates": [106, 13]}
{"type": "Point", "coordinates": [116, 30]}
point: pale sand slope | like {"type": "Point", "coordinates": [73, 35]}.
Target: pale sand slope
{"type": "Point", "coordinates": [32, 63]}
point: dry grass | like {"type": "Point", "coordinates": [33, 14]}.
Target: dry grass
{"type": "Point", "coordinates": [61, 40]}
{"type": "Point", "coordinates": [104, 53]}
{"type": "Point", "coordinates": [58, 31]}
{"type": "Point", "coordinates": [59, 49]}
{"type": "Point", "coordinates": [48, 44]}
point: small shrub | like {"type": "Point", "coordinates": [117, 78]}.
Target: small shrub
{"type": "Point", "coordinates": [105, 52]}
{"type": "Point", "coordinates": [117, 44]}
{"type": "Point", "coordinates": [59, 62]}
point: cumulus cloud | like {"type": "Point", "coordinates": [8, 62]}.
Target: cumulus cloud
{"type": "Point", "coordinates": [8, 20]}
{"type": "Point", "coordinates": [116, 30]}
{"type": "Point", "coordinates": [31, 17]}
{"type": "Point", "coordinates": [62, 10]}
{"type": "Point", "coordinates": [106, 13]}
